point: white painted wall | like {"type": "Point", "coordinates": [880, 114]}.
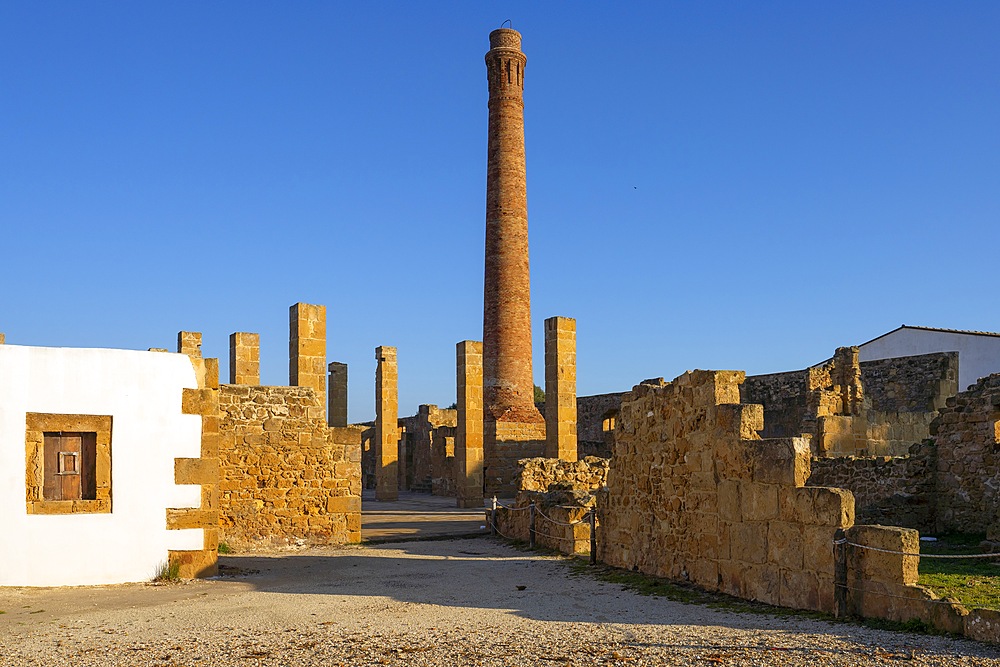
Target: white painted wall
{"type": "Point", "coordinates": [978, 356]}
{"type": "Point", "coordinates": [142, 393]}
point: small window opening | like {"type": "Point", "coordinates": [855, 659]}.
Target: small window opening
{"type": "Point", "coordinates": [69, 466]}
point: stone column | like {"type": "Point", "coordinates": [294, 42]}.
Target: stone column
{"type": "Point", "coordinates": [337, 408]}
{"type": "Point", "coordinates": [386, 425]}
{"type": "Point", "coordinates": [469, 434]}
{"type": "Point", "coordinates": [3, 339]}
{"type": "Point", "coordinates": [560, 388]}
{"type": "Point", "coordinates": [189, 343]}
{"type": "Point", "coordinates": [307, 349]}
{"type": "Point", "coordinates": [244, 358]}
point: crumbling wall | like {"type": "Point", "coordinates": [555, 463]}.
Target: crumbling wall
{"type": "Point", "coordinates": [562, 492]}
{"type": "Point", "coordinates": [920, 383]}
{"type": "Point", "coordinates": [541, 474]}
{"type": "Point", "coordinates": [285, 475]}
{"type": "Point", "coordinates": [694, 495]}
{"type": "Point", "coordinates": [967, 434]}
{"type": "Point", "coordinates": [420, 469]}
{"type": "Point", "coordinates": [889, 490]}
{"type": "Point", "coordinates": [596, 417]}
{"type": "Point", "coordinates": [785, 400]}
{"type": "Point", "coordinates": [847, 408]}
{"type": "Point", "coordinates": [443, 461]}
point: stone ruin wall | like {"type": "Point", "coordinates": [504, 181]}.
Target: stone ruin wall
{"type": "Point", "coordinates": [422, 466]}
{"type": "Point", "coordinates": [591, 411]}
{"type": "Point", "coordinates": [285, 475]}
{"type": "Point", "coordinates": [888, 490]}
{"type": "Point", "coordinates": [875, 408]}
{"type": "Point", "coordinates": [563, 491]}
{"type": "Point", "coordinates": [694, 495]}
{"type": "Point", "coordinates": [443, 461]}
{"type": "Point", "coordinates": [967, 434]}
{"type": "Point", "coordinates": [543, 475]}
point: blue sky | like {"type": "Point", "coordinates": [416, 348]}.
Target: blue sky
{"type": "Point", "coordinates": [710, 185]}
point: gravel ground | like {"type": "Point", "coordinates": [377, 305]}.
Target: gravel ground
{"type": "Point", "coordinates": [458, 602]}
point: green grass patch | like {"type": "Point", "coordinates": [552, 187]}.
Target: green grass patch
{"type": "Point", "coordinates": [225, 548]}
{"type": "Point", "coordinates": [973, 582]}
{"type": "Point", "coordinates": [168, 572]}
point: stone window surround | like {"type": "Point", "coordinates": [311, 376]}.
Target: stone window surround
{"type": "Point", "coordinates": [36, 425]}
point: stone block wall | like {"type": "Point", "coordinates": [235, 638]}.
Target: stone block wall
{"type": "Point", "coordinates": [504, 445]}
{"type": "Point", "coordinates": [847, 408]}
{"type": "Point", "coordinates": [890, 490]}
{"type": "Point", "coordinates": [596, 417]}
{"type": "Point", "coordinates": [693, 495]}
{"type": "Point", "coordinates": [443, 461]}
{"type": "Point", "coordinates": [561, 519]}
{"type": "Point", "coordinates": [967, 434]}
{"type": "Point", "coordinates": [546, 474]}
{"type": "Point", "coordinates": [785, 400]}
{"type": "Point", "coordinates": [563, 492]}
{"type": "Point", "coordinates": [920, 383]}
{"type": "Point", "coordinates": [420, 430]}
{"type": "Point", "coordinates": [285, 476]}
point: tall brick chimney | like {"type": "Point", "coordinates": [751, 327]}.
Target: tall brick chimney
{"type": "Point", "coordinates": [508, 384]}
{"type": "Point", "coordinates": [513, 428]}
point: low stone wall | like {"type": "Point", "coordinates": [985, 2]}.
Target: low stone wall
{"type": "Point", "coordinates": [897, 491]}
{"type": "Point", "coordinates": [541, 475]}
{"type": "Point", "coordinates": [552, 512]}
{"type": "Point", "coordinates": [694, 495]}
{"type": "Point", "coordinates": [967, 434]}
{"type": "Point", "coordinates": [285, 475]}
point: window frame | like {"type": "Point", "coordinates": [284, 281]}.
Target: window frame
{"type": "Point", "coordinates": [36, 425]}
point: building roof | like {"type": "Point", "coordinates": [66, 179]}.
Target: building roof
{"type": "Point", "coordinates": [954, 331]}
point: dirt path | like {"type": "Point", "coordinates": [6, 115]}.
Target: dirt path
{"type": "Point", "coordinates": [457, 602]}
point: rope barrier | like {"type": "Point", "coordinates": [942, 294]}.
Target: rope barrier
{"type": "Point", "coordinates": [558, 523]}
{"type": "Point", "coordinates": [920, 555]}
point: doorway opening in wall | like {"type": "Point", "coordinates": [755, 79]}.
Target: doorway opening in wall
{"type": "Point", "coordinates": [70, 466]}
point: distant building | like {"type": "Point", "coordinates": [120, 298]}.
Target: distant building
{"type": "Point", "coordinates": [978, 351]}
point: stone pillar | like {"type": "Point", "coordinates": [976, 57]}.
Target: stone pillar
{"type": "Point", "coordinates": [244, 358]}
{"type": "Point", "coordinates": [307, 348]}
{"type": "Point", "coordinates": [189, 343]}
{"type": "Point", "coordinates": [337, 401]}
{"type": "Point", "coordinates": [386, 425]}
{"type": "Point", "coordinates": [560, 388]}
{"type": "Point", "coordinates": [469, 434]}
{"type": "Point", "coordinates": [3, 339]}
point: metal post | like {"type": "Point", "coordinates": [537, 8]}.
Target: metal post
{"type": "Point", "coordinates": [840, 573]}
{"type": "Point", "coordinates": [531, 525]}
{"type": "Point", "coordinates": [593, 536]}
{"type": "Point", "coordinates": [493, 518]}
